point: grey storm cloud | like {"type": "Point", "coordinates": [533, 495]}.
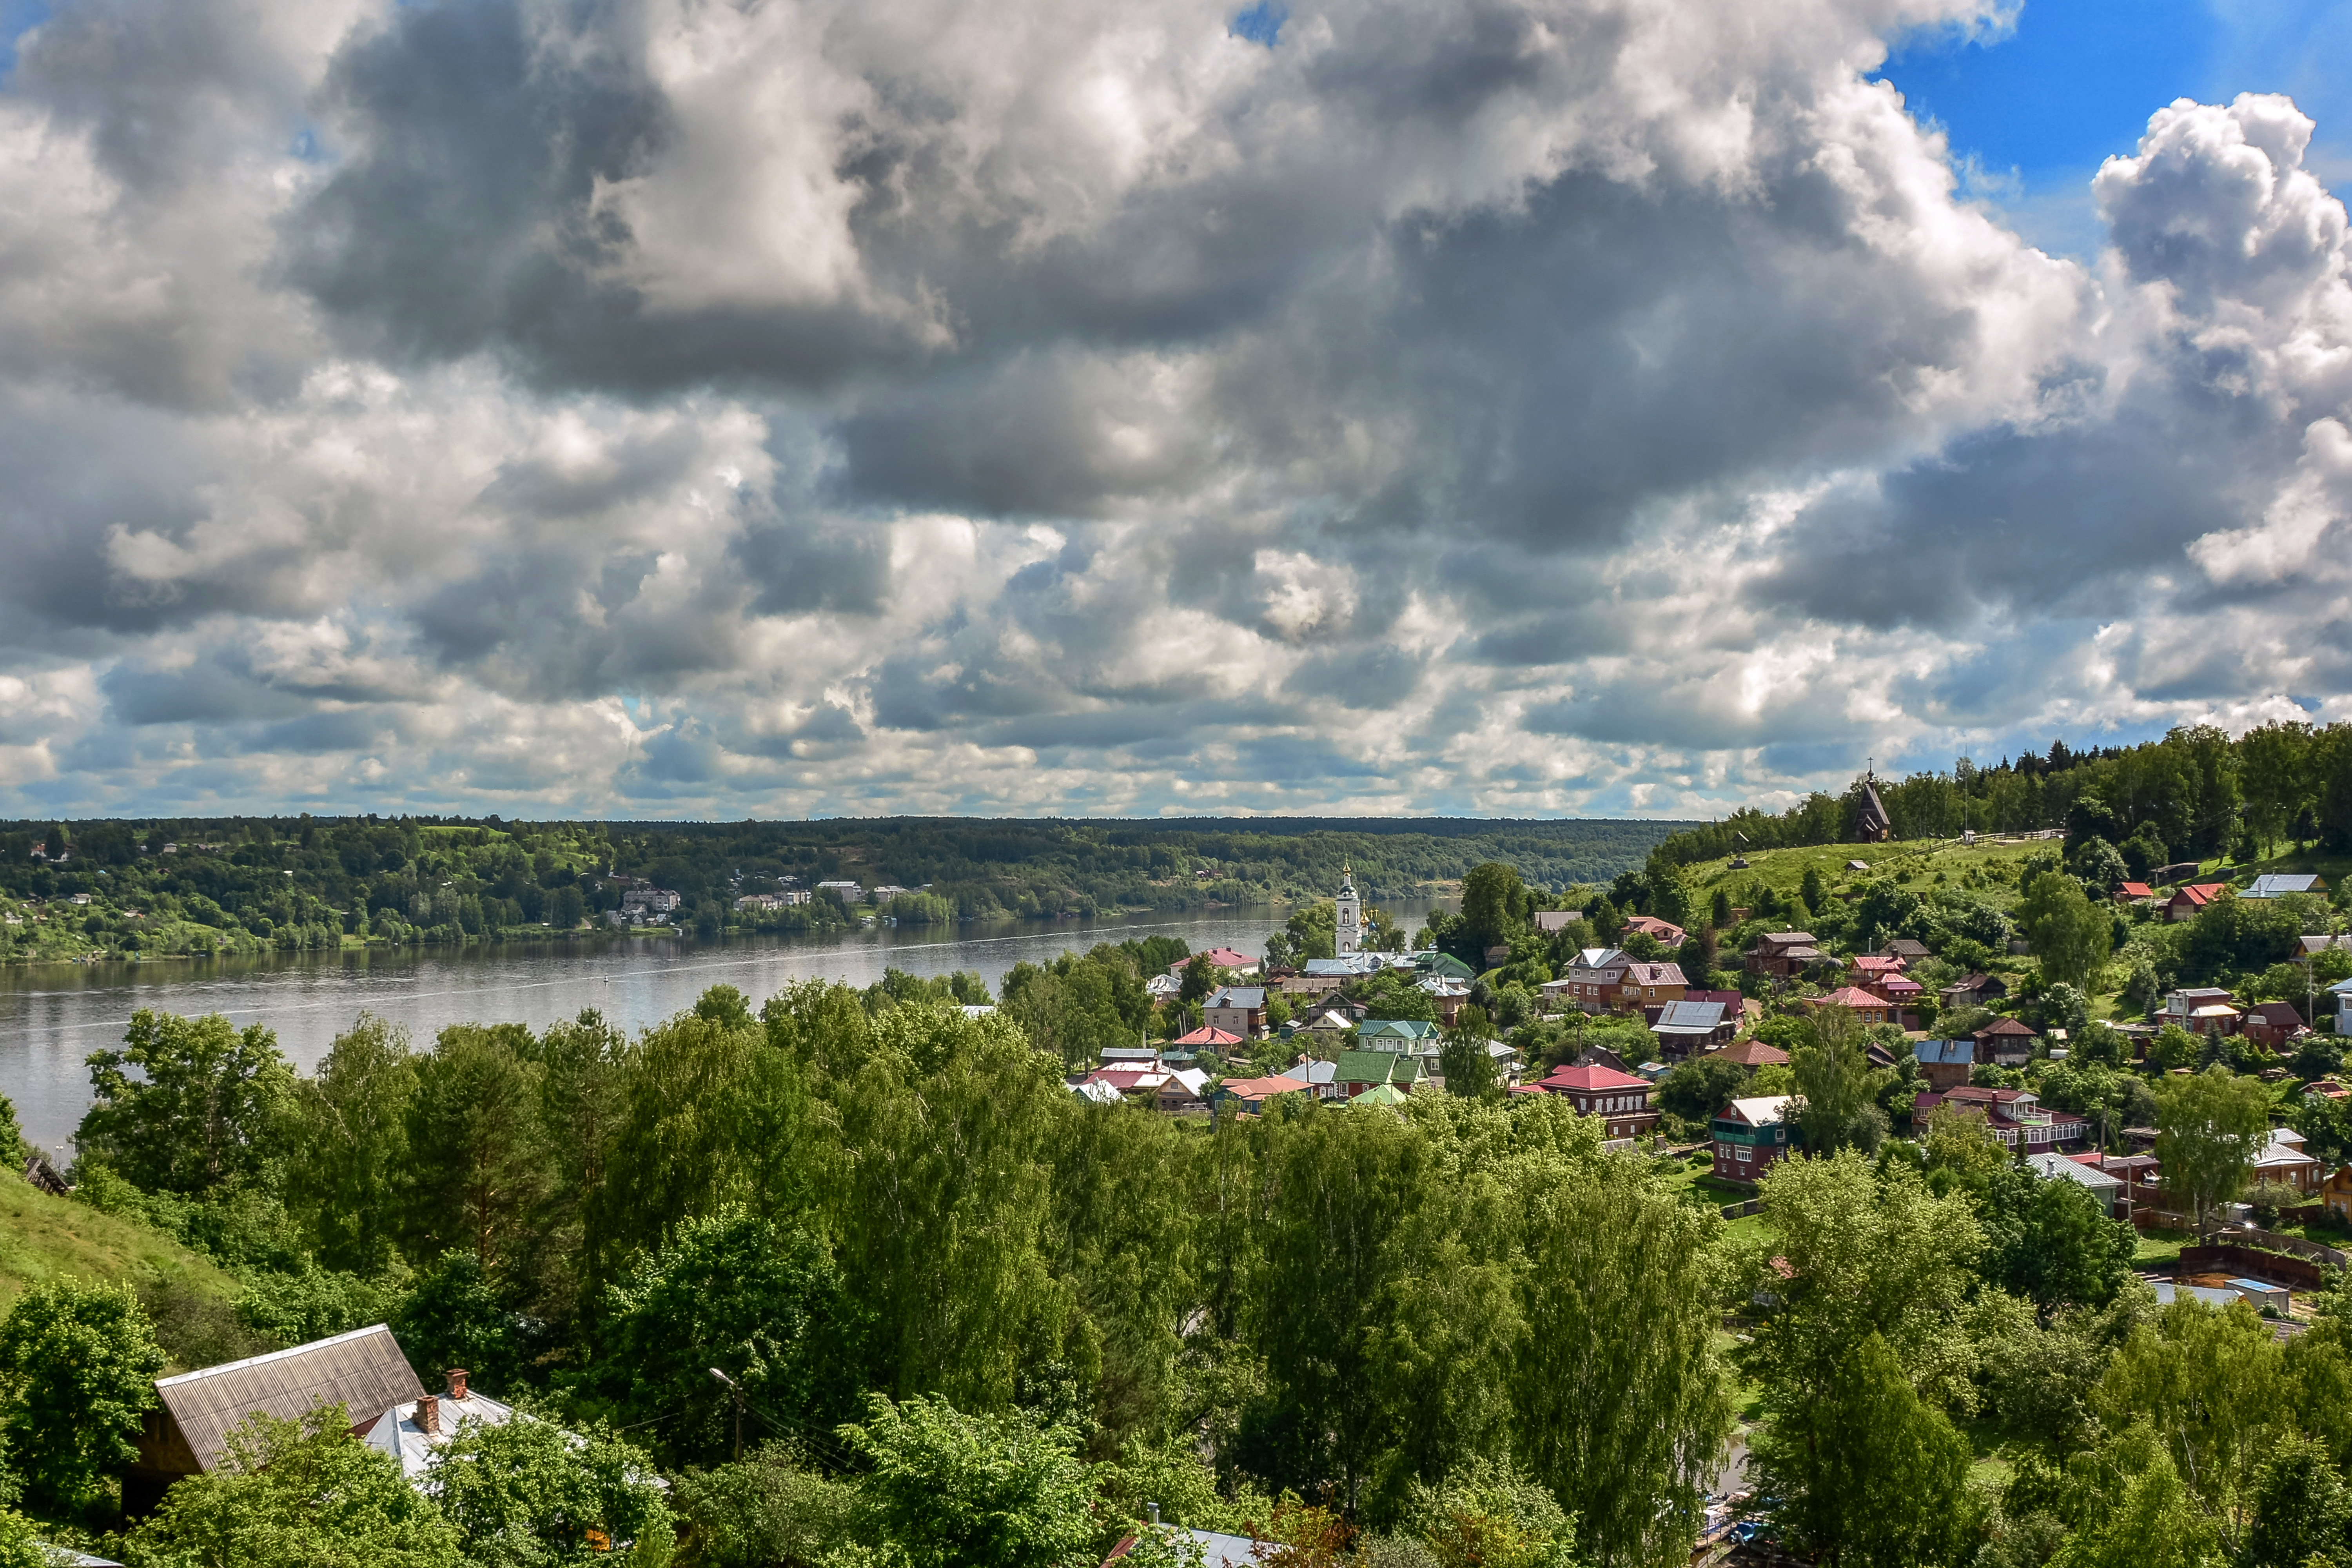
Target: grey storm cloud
{"type": "Point", "coordinates": [1524, 404]}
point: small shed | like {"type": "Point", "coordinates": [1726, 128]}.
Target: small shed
{"type": "Point", "coordinates": [2265, 1296]}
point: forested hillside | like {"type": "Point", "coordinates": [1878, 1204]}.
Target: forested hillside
{"type": "Point", "coordinates": [2194, 794]}
{"type": "Point", "coordinates": [306, 883]}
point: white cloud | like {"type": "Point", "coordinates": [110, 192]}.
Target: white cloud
{"type": "Point", "coordinates": [1497, 404]}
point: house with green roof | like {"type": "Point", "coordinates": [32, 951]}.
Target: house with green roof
{"type": "Point", "coordinates": [1407, 1036]}
{"type": "Point", "coordinates": [1357, 1071]}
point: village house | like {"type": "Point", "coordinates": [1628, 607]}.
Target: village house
{"type": "Point", "coordinates": [1751, 1135]}
{"type": "Point", "coordinates": [2280, 884]}
{"type": "Point", "coordinates": [848, 892]}
{"type": "Point", "coordinates": [1665, 933]}
{"type": "Point", "coordinates": [1248, 1096]}
{"type": "Point", "coordinates": [1552, 923]}
{"type": "Point", "coordinates": [2273, 1024]}
{"type": "Point", "coordinates": [1405, 1037]}
{"type": "Point", "coordinates": [1163, 988]}
{"type": "Point", "coordinates": [1237, 1010]}
{"type": "Point", "coordinates": [2336, 1194]}
{"type": "Point", "coordinates": [1685, 1028]}
{"type": "Point", "coordinates": [2083, 1170]}
{"type": "Point", "coordinates": [2283, 1161]}
{"type": "Point", "coordinates": [1356, 1072]}
{"type": "Point", "coordinates": [2202, 1010]}
{"type": "Point", "coordinates": [2133, 892]}
{"type": "Point", "coordinates": [1867, 1009]}
{"type": "Point", "coordinates": [2016, 1117]}
{"type": "Point", "coordinates": [363, 1371]}
{"type": "Point", "coordinates": [1204, 1038]}
{"type": "Point", "coordinates": [1752, 1053]}
{"type": "Point", "coordinates": [2186, 903]}
{"type": "Point", "coordinates": [1618, 1099]}
{"type": "Point", "coordinates": [1974, 991]}
{"type": "Point", "coordinates": [1595, 974]}
{"type": "Point", "coordinates": [1870, 969]}
{"type": "Point", "coordinates": [2005, 1043]}
{"type": "Point", "coordinates": [1784, 955]}
{"type": "Point", "coordinates": [1240, 965]}
{"type": "Point", "coordinates": [1946, 1064]}
{"type": "Point", "coordinates": [1321, 1079]}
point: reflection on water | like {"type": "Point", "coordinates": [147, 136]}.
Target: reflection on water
{"type": "Point", "coordinates": [53, 1016]}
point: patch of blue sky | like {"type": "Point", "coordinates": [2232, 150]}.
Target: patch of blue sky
{"type": "Point", "coordinates": [18, 18]}
{"type": "Point", "coordinates": [2032, 110]}
{"type": "Point", "coordinates": [1261, 23]}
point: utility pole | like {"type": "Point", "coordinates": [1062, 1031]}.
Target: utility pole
{"type": "Point", "coordinates": [735, 1391]}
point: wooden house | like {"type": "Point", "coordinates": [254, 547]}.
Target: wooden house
{"type": "Point", "coordinates": [187, 1435]}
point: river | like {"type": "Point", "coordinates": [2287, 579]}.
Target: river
{"type": "Point", "coordinates": [53, 1016]}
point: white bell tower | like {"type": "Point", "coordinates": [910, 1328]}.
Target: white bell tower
{"type": "Point", "coordinates": [1350, 935]}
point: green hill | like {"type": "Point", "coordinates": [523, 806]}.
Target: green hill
{"type": "Point", "coordinates": [45, 1238]}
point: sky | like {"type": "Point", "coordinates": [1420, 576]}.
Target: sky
{"type": "Point", "coordinates": [711, 408]}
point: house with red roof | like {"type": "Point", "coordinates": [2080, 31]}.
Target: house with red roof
{"type": "Point", "coordinates": [1866, 1008]}
{"type": "Point", "coordinates": [1665, 933]}
{"type": "Point", "coordinates": [1205, 1039]}
{"type": "Point", "coordinates": [2133, 892]}
{"type": "Point", "coordinates": [2186, 903]}
{"type": "Point", "coordinates": [1619, 1099]}
{"type": "Point", "coordinates": [1224, 958]}
{"type": "Point", "coordinates": [2273, 1024]}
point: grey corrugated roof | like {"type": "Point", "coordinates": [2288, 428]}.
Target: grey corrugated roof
{"type": "Point", "coordinates": [363, 1371]}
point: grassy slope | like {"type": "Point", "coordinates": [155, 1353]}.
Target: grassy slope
{"type": "Point", "coordinates": [42, 1238]}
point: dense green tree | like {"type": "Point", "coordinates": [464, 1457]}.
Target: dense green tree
{"type": "Point", "coordinates": [735, 1293]}
{"type": "Point", "coordinates": [1696, 1089]}
{"type": "Point", "coordinates": [1619, 1399]}
{"type": "Point", "coordinates": [297, 1492]}
{"type": "Point", "coordinates": [456, 1316]}
{"type": "Point", "coordinates": [1463, 1059]}
{"type": "Point", "coordinates": [352, 1145]}
{"type": "Point", "coordinates": [712, 1113]}
{"type": "Point", "coordinates": [478, 1169]}
{"type": "Point", "coordinates": [1860, 1252]}
{"type": "Point", "coordinates": [1867, 1472]}
{"type": "Point", "coordinates": [1381, 1325]}
{"type": "Point", "coordinates": [950, 1489]}
{"type": "Point", "coordinates": [211, 1103]}
{"type": "Point", "coordinates": [78, 1364]}
{"type": "Point", "coordinates": [2051, 1241]}
{"type": "Point", "coordinates": [527, 1494]}
{"type": "Point", "coordinates": [1839, 1086]}
{"type": "Point", "coordinates": [1492, 910]}
{"type": "Point", "coordinates": [2232, 936]}
{"type": "Point", "coordinates": [2210, 1127]}
{"type": "Point", "coordinates": [2071, 935]}
{"type": "Point", "coordinates": [934, 1182]}
{"type": "Point", "coordinates": [583, 1091]}
{"type": "Point", "coordinates": [2302, 1512]}
{"type": "Point", "coordinates": [2211, 1387]}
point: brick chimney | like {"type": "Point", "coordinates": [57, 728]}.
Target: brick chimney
{"type": "Point", "coordinates": [428, 1414]}
{"type": "Point", "coordinates": [457, 1382]}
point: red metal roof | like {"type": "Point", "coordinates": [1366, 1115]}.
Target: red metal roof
{"type": "Point", "coordinates": [1205, 1036]}
{"type": "Point", "coordinates": [1590, 1079]}
{"type": "Point", "coordinates": [1854, 997]}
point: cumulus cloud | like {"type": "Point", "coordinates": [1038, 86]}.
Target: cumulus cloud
{"type": "Point", "coordinates": [692, 405]}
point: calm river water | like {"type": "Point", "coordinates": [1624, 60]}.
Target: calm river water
{"type": "Point", "coordinates": [53, 1016]}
